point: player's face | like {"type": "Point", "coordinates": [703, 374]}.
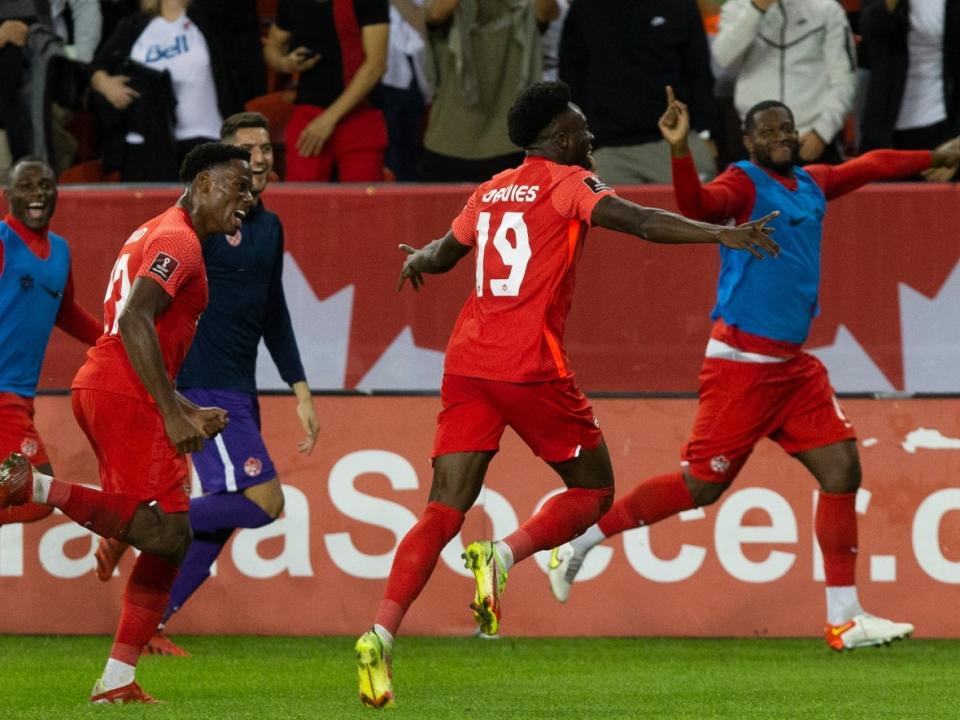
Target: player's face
{"type": "Point", "coordinates": [773, 142]}
{"type": "Point", "coordinates": [230, 196]}
{"type": "Point", "coordinates": [32, 194]}
{"type": "Point", "coordinates": [256, 141]}
{"type": "Point", "coordinates": [579, 137]}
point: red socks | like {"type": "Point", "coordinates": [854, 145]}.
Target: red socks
{"type": "Point", "coordinates": [650, 501]}
{"type": "Point", "coordinates": [836, 528]}
{"type": "Point", "coordinates": [415, 560]}
{"type": "Point", "coordinates": [27, 513]}
{"type": "Point", "coordinates": [144, 601]}
{"type": "Point", "coordinates": [561, 519]}
{"type": "Point", "coordinates": [105, 513]}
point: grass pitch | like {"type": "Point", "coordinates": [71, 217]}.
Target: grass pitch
{"type": "Point", "coordinates": [511, 678]}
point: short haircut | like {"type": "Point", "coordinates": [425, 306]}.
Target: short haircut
{"type": "Point", "coordinates": [203, 157]}
{"type": "Point", "coordinates": [243, 120]}
{"type": "Point", "coordinates": [749, 120]}
{"type": "Point", "coordinates": [28, 160]}
{"type": "Point", "coordinates": [535, 109]}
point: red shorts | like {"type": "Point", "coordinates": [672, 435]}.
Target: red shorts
{"type": "Point", "coordinates": [17, 433]}
{"type": "Point", "coordinates": [357, 147]}
{"type": "Point", "coordinates": [553, 418]}
{"type": "Point", "coordinates": [790, 402]}
{"type": "Point", "coordinates": [132, 448]}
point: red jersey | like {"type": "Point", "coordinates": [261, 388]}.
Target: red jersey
{"type": "Point", "coordinates": [527, 225]}
{"type": "Point", "coordinates": [166, 250]}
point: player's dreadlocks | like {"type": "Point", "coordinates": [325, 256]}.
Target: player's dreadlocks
{"type": "Point", "coordinates": [536, 107]}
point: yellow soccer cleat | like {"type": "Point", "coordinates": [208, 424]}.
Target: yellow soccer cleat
{"type": "Point", "coordinates": [483, 558]}
{"type": "Point", "coordinates": [374, 671]}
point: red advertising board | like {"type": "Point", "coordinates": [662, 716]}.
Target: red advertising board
{"type": "Point", "coordinates": [742, 567]}
{"type": "Point", "coordinates": [890, 290]}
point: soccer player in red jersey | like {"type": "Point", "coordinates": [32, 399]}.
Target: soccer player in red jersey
{"type": "Point", "coordinates": [756, 380]}
{"type": "Point", "coordinates": [505, 362]}
{"type": "Point", "coordinates": [36, 293]}
{"type": "Point", "coordinates": [124, 399]}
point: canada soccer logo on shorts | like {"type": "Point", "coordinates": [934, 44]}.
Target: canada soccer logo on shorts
{"type": "Point", "coordinates": [719, 464]}
{"type": "Point", "coordinates": [29, 447]}
{"type": "Point", "coordinates": [253, 467]}
{"type": "Point", "coordinates": [234, 239]}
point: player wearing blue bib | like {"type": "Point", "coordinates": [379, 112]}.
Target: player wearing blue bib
{"type": "Point", "coordinates": [36, 293]}
{"type": "Point", "coordinates": [756, 380]}
{"type": "Point", "coordinates": [240, 485]}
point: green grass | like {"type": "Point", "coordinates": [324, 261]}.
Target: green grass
{"type": "Point", "coordinates": [271, 677]}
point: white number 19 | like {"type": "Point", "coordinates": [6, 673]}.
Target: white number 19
{"type": "Point", "coordinates": [515, 256]}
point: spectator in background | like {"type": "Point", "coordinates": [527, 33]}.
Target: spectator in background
{"type": "Point", "coordinates": [82, 36]}
{"type": "Point", "coordinates": [404, 91]}
{"type": "Point", "coordinates": [38, 77]}
{"type": "Point", "coordinates": [799, 52]}
{"type": "Point", "coordinates": [16, 133]}
{"type": "Point", "coordinates": [113, 11]}
{"type": "Point", "coordinates": [913, 95]}
{"type": "Point", "coordinates": [482, 55]}
{"type": "Point", "coordinates": [340, 58]}
{"type": "Point", "coordinates": [167, 89]}
{"type": "Point", "coordinates": [237, 25]}
{"type": "Point", "coordinates": [617, 56]}
{"type": "Point", "coordinates": [551, 43]}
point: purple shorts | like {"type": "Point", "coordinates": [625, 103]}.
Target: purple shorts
{"type": "Point", "coordinates": [236, 458]}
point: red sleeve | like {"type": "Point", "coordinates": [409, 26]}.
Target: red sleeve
{"type": "Point", "coordinates": [464, 226]}
{"type": "Point", "coordinates": [74, 320]}
{"type": "Point", "coordinates": [575, 197]}
{"type": "Point", "coordinates": [171, 260]}
{"type": "Point", "coordinates": [729, 195]}
{"type": "Point", "coordinates": [837, 180]}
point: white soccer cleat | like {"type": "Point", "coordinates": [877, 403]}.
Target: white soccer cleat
{"type": "Point", "coordinates": [865, 630]}
{"type": "Point", "coordinates": [562, 569]}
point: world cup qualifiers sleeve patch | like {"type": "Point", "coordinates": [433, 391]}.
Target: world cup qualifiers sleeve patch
{"type": "Point", "coordinates": [595, 184]}
{"type": "Point", "coordinates": [164, 266]}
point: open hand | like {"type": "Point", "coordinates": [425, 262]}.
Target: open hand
{"type": "Point", "coordinates": [752, 236]}
{"type": "Point", "coordinates": [408, 271]}
{"type": "Point", "coordinates": [315, 135]}
{"type": "Point", "coordinates": [944, 161]}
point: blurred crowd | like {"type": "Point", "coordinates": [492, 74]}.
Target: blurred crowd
{"type": "Point", "coordinates": [418, 90]}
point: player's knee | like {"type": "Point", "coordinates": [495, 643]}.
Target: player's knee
{"type": "Point", "coordinates": [605, 503]}
{"type": "Point", "coordinates": [844, 476]}
{"type": "Point", "coordinates": [704, 493]}
{"type": "Point", "coordinates": [268, 497]}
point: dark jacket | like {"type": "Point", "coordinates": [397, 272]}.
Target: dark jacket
{"type": "Point", "coordinates": [113, 58]}
{"type": "Point", "coordinates": [617, 56]}
{"type": "Point", "coordinates": [885, 36]}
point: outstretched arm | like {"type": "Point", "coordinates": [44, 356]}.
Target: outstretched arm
{"type": "Point", "coordinates": [661, 226]}
{"type": "Point", "coordinates": [436, 257]}
{"type": "Point", "coordinates": [837, 180]}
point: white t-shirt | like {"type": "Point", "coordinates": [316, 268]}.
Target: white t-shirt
{"type": "Point", "coordinates": [179, 46]}
{"type": "Point", "coordinates": [923, 104]}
